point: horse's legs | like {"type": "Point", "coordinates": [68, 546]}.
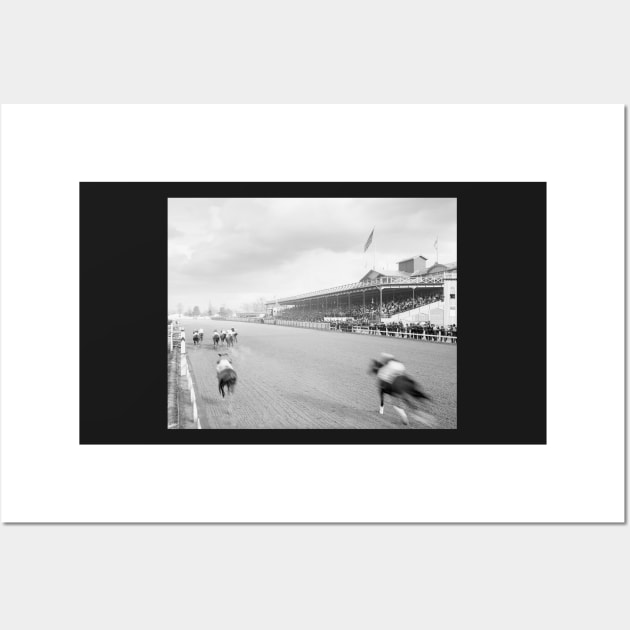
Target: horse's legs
{"type": "Point", "coordinates": [402, 414]}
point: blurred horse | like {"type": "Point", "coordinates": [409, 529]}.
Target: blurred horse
{"type": "Point", "coordinates": [215, 338]}
{"type": "Point", "coordinates": [226, 375]}
{"type": "Point", "coordinates": [403, 388]}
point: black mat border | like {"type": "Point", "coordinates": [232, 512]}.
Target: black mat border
{"type": "Point", "coordinates": [501, 372]}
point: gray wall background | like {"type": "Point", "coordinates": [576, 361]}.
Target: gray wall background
{"type": "Point", "coordinates": [154, 576]}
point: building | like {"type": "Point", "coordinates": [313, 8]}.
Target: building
{"type": "Point", "coordinates": [435, 289]}
{"type": "Point", "coordinates": [411, 266]}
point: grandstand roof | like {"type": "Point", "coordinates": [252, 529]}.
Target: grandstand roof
{"type": "Point", "coordinates": [379, 279]}
{"type": "Point", "coordinates": [394, 273]}
{"type": "Point", "coordinates": [375, 273]}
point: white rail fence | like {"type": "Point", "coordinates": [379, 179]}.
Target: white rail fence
{"type": "Point", "coordinates": [185, 371]}
{"type": "Point", "coordinates": [297, 324]}
{"type": "Point", "coordinates": [364, 330]}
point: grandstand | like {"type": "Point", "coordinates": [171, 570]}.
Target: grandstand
{"type": "Point", "coordinates": [411, 293]}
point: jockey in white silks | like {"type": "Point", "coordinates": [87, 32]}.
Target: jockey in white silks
{"type": "Point", "coordinates": [391, 369]}
{"type": "Point", "coordinates": [223, 364]}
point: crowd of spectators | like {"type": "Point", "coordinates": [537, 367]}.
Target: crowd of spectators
{"type": "Point", "coordinates": [398, 306]}
{"type": "Point", "coordinates": [425, 330]}
{"type": "Point", "coordinates": [362, 314]}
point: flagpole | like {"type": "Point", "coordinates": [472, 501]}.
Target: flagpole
{"type": "Point", "coordinates": [373, 251]}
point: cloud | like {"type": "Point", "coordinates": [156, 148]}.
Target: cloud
{"type": "Point", "coordinates": [244, 246]}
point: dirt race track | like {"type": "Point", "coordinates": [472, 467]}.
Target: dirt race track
{"type": "Point", "coordinates": [299, 378]}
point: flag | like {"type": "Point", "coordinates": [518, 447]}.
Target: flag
{"type": "Point", "coordinates": [369, 241]}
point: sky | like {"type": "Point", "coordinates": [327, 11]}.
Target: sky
{"type": "Point", "coordinates": [230, 252]}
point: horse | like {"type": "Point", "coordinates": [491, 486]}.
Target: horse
{"type": "Point", "coordinates": [229, 339]}
{"type": "Point", "coordinates": [215, 339]}
{"type": "Point", "coordinates": [223, 336]}
{"type": "Point", "coordinates": [405, 389]}
{"type": "Point", "coordinates": [234, 335]}
{"type": "Point", "coordinates": [195, 338]}
{"type": "Point", "coordinates": [226, 375]}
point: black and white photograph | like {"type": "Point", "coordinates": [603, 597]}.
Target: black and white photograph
{"type": "Point", "coordinates": [293, 188]}
{"type": "Point", "coordinates": [312, 313]}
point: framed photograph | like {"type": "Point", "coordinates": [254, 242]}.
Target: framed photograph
{"type": "Point", "coordinates": [297, 317]}
{"type": "Point", "coordinates": [453, 259]}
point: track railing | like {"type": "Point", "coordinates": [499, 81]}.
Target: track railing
{"type": "Point", "coordinates": [403, 334]}
{"type": "Point", "coordinates": [298, 324]}
{"type": "Point", "coordinates": [185, 371]}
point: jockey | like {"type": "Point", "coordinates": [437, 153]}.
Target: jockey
{"type": "Point", "coordinates": [223, 364]}
{"type": "Point", "coordinates": [391, 368]}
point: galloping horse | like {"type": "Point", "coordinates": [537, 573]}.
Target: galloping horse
{"type": "Point", "coordinates": [229, 338]}
{"type": "Point", "coordinates": [195, 337]}
{"type": "Point", "coordinates": [223, 336]}
{"type": "Point", "coordinates": [225, 374]}
{"type": "Point", "coordinates": [215, 338]}
{"type": "Point", "coordinates": [402, 387]}
{"type": "Point", "coordinates": [234, 334]}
